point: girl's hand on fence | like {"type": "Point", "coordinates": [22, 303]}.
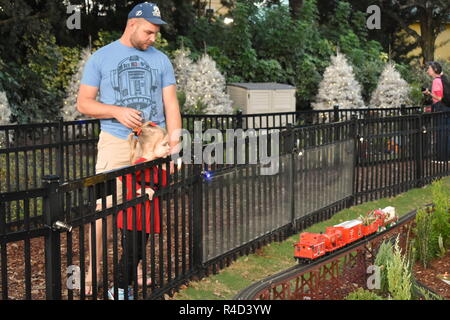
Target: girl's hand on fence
{"type": "Point", "coordinates": [172, 165]}
{"type": "Point", "coordinates": [150, 193]}
{"type": "Point", "coordinates": [109, 203]}
{"type": "Point", "coordinates": [129, 117]}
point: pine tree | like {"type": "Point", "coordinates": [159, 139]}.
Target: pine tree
{"type": "Point", "coordinates": [339, 86]}
{"type": "Point", "coordinates": [5, 111]}
{"type": "Point", "coordinates": [182, 66]}
{"type": "Point", "coordinates": [392, 91]}
{"type": "Point", "coordinates": [5, 116]}
{"type": "Point", "coordinates": [69, 111]}
{"type": "Point", "coordinates": [205, 89]}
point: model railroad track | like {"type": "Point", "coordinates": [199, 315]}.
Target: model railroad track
{"type": "Point", "coordinates": [257, 288]}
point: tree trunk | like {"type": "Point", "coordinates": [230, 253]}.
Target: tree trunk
{"type": "Point", "coordinates": [428, 36]}
{"type": "Point", "coordinates": [294, 7]}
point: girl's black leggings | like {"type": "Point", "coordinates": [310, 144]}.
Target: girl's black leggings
{"type": "Point", "coordinates": [130, 259]}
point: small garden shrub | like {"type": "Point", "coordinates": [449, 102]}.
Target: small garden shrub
{"type": "Point", "coordinates": [362, 294]}
{"type": "Point", "coordinates": [385, 254]}
{"type": "Point", "coordinates": [433, 226]}
{"type": "Point", "coordinates": [440, 221]}
{"type": "Point", "coordinates": [399, 275]}
{"type": "Point", "coordinates": [423, 239]}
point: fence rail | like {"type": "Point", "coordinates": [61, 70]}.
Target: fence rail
{"type": "Point", "coordinates": [280, 120]}
{"type": "Point", "coordinates": [208, 214]}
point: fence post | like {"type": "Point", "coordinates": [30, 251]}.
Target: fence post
{"type": "Point", "coordinates": [52, 240]}
{"type": "Point", "coordinates": [292, 150]}
{"type": "Point", "coordinates": [197, 254]}
{"type": "Point", "coordinates": [239, 119]}
{"type": "Point", "coordinates": [353, 134]}
{"type": "Point", "coordinates": [336, 113]}
{"type": "Point", "coordinates": [403, 111]}
{"type": "Point", "coordinates": [60, 149]}
{"type": "Point", "coordinates": [421, 130]}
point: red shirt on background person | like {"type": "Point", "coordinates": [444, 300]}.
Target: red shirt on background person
{"type": "Point", "coordinates": [437, 90]}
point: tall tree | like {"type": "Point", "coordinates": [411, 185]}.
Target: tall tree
{"type": "Point", "coordinates": [21, 23]}
{"type": "Point", "coordinates": [431, 15]}
{"type": "Point", "coordinates": [295, 7]}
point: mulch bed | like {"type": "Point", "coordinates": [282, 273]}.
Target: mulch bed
{"type": "Point", "coordinates": [429, 275]}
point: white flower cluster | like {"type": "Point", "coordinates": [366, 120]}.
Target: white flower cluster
{"type": "Point", "coordinates": [182, 65]}
{"type": "Point", "coordinates": [392, 91]}
{"type": "Point", "coordinates": [202, 83]}
{"type": "Point", "coordinates": [339, 86]}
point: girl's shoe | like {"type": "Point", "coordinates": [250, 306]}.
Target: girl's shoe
{"type": "Point", "coordinates": [120, 294]}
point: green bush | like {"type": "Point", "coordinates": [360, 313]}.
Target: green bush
{"type": "Point", "coordinates": [441, 216]}
{"type": "Point", "coordinates": [385, 254]}
{"type": "Point", "coordinates": [104, 38]}
{"type": "Point", "coordinates": [361, 294]}
{"type": "Point", "coordinates": [399, 275]}
{"type": "Point", "coordinates": [433, 226]}
{"type": "Point", "coordinates": [422, 231]}
{"type": "Point", "coordinates": [32, 82]}
{"type": "Point", "coordinates": [68, 63]}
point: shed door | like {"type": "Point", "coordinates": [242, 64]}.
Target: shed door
{"type": "Point", "coordinates": [259, 101]}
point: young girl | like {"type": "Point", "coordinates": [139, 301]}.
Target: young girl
{"type": "Point", "coordinates": [154, 144]}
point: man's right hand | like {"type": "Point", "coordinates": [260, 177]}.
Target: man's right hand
{"type": "Point", "coordinates": [129, 117]}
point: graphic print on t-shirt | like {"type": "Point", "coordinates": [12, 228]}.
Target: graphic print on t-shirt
{"type": "Point", "coordinates": [135, 84]}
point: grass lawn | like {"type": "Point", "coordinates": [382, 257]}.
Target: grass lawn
{"type": "Point", "coordinates": [277, 257]}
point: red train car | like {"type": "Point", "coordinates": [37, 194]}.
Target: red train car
{"type": "Point", "coordinates": [314, 245]}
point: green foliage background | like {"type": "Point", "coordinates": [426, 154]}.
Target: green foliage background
{"type": "Point", "coordinates": [39, 54]}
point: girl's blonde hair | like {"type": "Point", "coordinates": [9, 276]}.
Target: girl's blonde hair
{"type": "Point", "coordinates": [148, 135]}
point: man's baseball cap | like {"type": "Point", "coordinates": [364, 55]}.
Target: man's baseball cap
{"type": "Point", "coordinates": [147, 10]}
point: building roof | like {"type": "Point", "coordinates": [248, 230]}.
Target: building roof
{"type": "Point", "coordinates": [263, 86]}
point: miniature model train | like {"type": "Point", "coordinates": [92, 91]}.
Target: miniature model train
{"type": "Point", "coordinates": [314, 245]}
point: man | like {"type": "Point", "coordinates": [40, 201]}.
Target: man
{"type": "Point", "coordinates": [136, 83]}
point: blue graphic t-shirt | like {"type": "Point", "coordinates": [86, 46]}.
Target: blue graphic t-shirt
{"type": "Point", "coordinates": [131, 78]}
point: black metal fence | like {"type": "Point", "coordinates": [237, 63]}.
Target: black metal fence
{"type": "Point", "coordinates": [299, 118]}
{"type": "Point", "coordinates": [208, 214]}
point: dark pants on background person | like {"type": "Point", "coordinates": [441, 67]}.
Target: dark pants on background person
{"type": "Point", "coordinates": [442, 133]}
{"type": "Point", "coordinates": [129, 259]}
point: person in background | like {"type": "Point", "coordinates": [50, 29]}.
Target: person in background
{"type": "Point", "coordinates": [437, 88]}
{"type": "Point", "coordinates": [443, 123]}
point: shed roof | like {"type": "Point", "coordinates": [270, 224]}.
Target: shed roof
{"type": "Point", "coordinates": [262, 86]}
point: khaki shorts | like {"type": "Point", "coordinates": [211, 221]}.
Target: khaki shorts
{"type": "Point", "coordinates": [112, 153]}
